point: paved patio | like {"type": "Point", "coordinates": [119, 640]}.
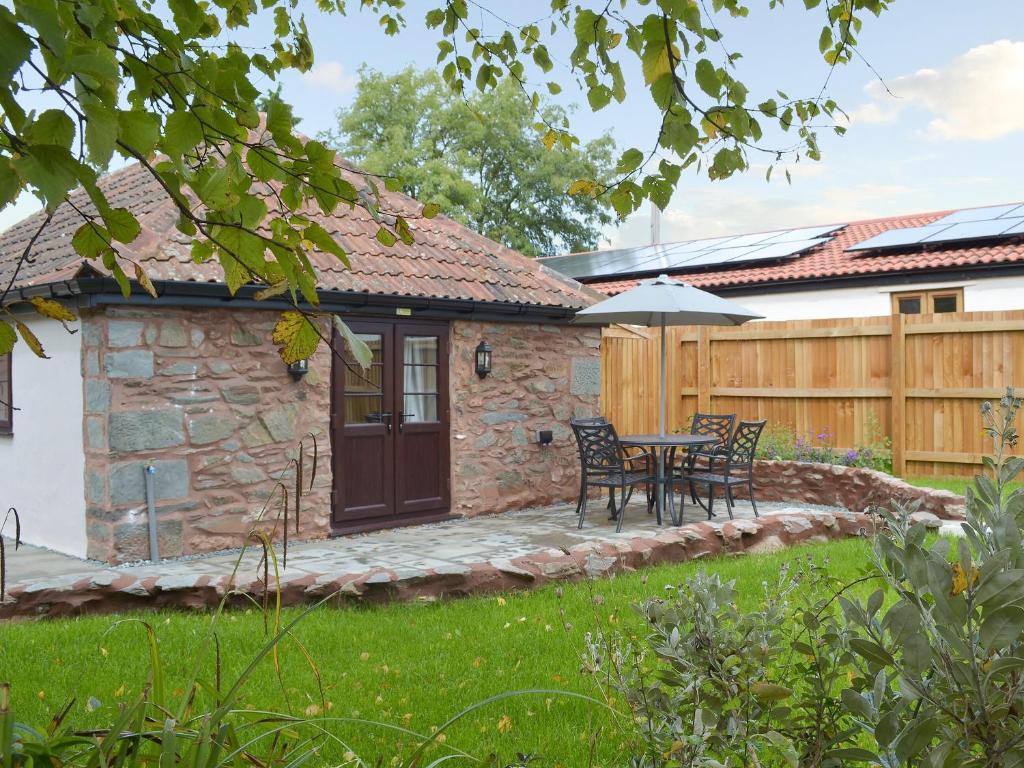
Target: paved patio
{"type": "Point", "coordinates": [489, 553]}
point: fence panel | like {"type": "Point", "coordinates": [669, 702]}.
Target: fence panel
{"type": "Point", "coordinates": [920, 377]}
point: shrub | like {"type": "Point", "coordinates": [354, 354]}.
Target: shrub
{"type": "Point", "coordinates": [926, 671]}
{"type": "Point", "coordinates": [783, 443]}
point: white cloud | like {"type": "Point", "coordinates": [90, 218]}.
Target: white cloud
{"type": "Point", "coordinates": [331, 76]}
{"type": "Point", "coordinates": [979, 95]}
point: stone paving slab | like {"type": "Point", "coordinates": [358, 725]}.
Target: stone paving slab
{"type": "Point", "coordinates": [481, 554]}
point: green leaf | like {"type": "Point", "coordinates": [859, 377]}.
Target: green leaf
{"type": "Point", "coordinates": [53, 126]}
{"type": "Point", "coordinates": [16, 47]}
{"type": "Point", "coordinates": [430, 210]}
{"type": "Point", "coordinates": [182, 133]}
{"type": "Point", "coordinates": [360, 351]}
{"type": "Point", "coordinates": [872, 651]}
{"type": "Point", "coordinates": [385, 237]}
{"type": "Point", "coordinates": [90, 240]}
{"type": "Point", "coordinates": [915, 737]}
{"type": "Point", "coordinates": [825, 39]}
{"type": "Point", "coordinates": [321, 238]}
{"type": "Point", "coordinates": [629, 161]}
{"type": "Point", "coordinates": [121, 224]}
{"type": "Point", "coordinates": [10, 183]}
{"type": "Point", "coordinates": [707, 78]}
{"type": "Point", "coordinates": [1002, 627]}
{"type": "Point", "coordinates": [139, 130]}
{"type": "Point", "coordinates": [999, 589]}
{"type": "Point", "coordinates": [100, 132]}
{"type": "Point", "coordinates": [7, 337]}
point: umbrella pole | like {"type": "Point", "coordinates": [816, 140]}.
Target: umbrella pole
{"type": "Point", "coordinates": [662, 420]}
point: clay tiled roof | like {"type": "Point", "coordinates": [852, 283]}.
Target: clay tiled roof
{"type": "Point", "coordinates": [830, 260]}
{"type": "Point", "coordinates": [447, 260]}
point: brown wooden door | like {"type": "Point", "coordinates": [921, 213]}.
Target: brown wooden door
{"type": "Point", "coordinates": [390, 426]}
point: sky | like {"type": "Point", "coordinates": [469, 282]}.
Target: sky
{"type": "Point", "coordinates": [936, 109]}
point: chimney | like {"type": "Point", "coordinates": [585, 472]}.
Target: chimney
{"type": "Point", "coordinates": [655, 224]}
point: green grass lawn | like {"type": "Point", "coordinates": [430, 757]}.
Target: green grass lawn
{"type": "Point", "coordinates": [954, 484]}
{"type": "Point", "coordinates": [406, 664]}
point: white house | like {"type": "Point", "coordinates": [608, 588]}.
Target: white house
{"type": "Point", "coordinates": [949, 261]}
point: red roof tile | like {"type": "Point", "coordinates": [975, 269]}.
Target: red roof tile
{"type": "Point", "coordinates": [830, 260]}
{"type": "Point", "coordinates": [447, 260]}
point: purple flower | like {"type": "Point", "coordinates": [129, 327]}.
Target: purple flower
{"type": "Point", "coordinates": [852, 455]}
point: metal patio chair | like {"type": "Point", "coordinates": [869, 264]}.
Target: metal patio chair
{"type": "Point", "coordinates": [604, 464]}
{"type": "Point", "coordinates": [728, 468]}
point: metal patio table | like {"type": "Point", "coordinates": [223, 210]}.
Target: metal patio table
{"type": "Point", "coordinates": [663, 444]}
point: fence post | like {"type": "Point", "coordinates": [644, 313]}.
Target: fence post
{"type": "Point", "coordinates": [898, 383]}
{"type": "Point", "coordinates": [704, 369]}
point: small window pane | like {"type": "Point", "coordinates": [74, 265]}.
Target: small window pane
{"type": "Point", "coordinates": [420, 408]}
{"type": "Point", "coordinates": [359, 380]}
{"type": "Point", "coordinates": [6, 407]}
{"type": "Point", "coordinates": [420, 379]}
{"type": "Point", "coordinates": [420, 350]}
{"type": "Point", "coordinates": [363, 410]}
{"type": "Point", "coordinates": [910, 306]}
{"type": "Point", "coordinates": [945, 303]}
{"type": "Point", "coordinates": [373, 340]}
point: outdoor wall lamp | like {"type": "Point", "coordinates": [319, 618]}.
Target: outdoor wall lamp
{"type": "Point", "coordinates": [483, 359]}
{"type": "Point", "coordinates": [298, 369]}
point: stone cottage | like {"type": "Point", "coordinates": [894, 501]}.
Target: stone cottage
{"type": "Point", "coordinates": [190, 385]}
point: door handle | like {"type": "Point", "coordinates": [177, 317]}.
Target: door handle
{"type": "Point", "coordinates": [401, 420]}
{"type": "Point", "coordinates": [385, 416]}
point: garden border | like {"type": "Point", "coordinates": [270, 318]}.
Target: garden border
{"type": "Point", "coordinates": [857, 490]}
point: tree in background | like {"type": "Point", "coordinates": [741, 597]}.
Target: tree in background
{"type": "Point", "coordinates": [478, 157]}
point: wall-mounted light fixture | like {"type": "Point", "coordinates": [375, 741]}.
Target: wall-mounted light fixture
{"type": "Point", "coordinates": [483, 359]}
{"type": "Point", "coordinates": [298, 369]}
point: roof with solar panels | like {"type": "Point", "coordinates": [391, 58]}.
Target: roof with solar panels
{"type": "Point", "coordinates": [944, 241]}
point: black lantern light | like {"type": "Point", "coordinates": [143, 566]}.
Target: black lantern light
{"type": "Point", "coordinates": [298, 369]}
{"type": "Point", "coordinates": [483, 359]}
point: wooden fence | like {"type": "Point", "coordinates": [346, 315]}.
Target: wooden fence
{"type": "Point", "coordinates": [922, 377]}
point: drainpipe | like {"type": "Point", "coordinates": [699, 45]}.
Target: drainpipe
{"type": "Point", "coordinates": [150, 473]}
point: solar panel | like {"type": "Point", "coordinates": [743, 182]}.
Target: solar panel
{"type": "Point", "coordinates": [978, 214]}
{"type": "Point", "coordinates": [1016, 229]}
{"type": "Point", "coordinates": [691, 254]}
{"type": "Point", "coordinates": [803, 233]}
{"type": "Point", "coordinates": [970, 230]}
{"type": "Point", "coordinates": [895, 238]}
{"type": "Point", "coordinates": [781, 250]}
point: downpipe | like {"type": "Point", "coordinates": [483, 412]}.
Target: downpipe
{"type": "Point", "coordinates": [150, 474]}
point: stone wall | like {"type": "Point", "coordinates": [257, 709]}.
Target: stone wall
{"type": "Point", "coordinates": [853, 488]}
{"type": "Point", "coordinates": [202, 394]}
{"type": "Point", "coordinates": [542, 375]}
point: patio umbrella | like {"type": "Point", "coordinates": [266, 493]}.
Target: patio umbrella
{"type": "Point", "coordinates": [662, 302]}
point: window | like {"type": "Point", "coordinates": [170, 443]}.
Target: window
{"type": "Point", "coordinates": [6, 407]}
{"type": "Point", "coordinates": [928, 302]}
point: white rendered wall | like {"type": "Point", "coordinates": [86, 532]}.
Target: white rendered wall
{"type": "Point", "coordinates": [980, 295]}
{"type": "Point", "coordinates": [42, 465]}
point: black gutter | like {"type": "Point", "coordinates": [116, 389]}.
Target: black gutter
{"type": "Point", "coordinates": [94, 292]}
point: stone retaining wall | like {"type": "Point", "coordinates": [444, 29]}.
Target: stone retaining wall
{"type": "Point", "coordinates": [853, 488]}
{"type": "Point", "coordinates": [109, 593]}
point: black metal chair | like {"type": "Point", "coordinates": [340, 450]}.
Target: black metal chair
{"type": "Point", "coordinates": [726, 469]}
{"type": "Point", "coordinates": [604, 464]}
{"type": "Point", "coordinates": [714, 425]}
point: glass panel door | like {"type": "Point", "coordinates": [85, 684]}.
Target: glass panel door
{"type": "Point", "coordinates": [419, 383]}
